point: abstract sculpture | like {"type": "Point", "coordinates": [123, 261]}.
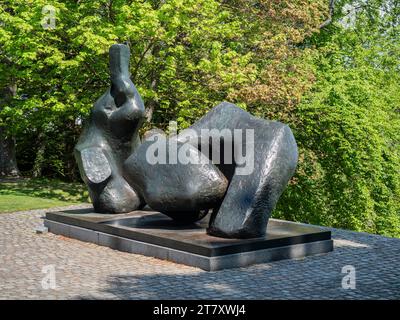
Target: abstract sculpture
{"type": "Point", "coordinates": [121, 177]}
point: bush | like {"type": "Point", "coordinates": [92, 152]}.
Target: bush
{"type": "Point", "coordinates": [348, 132]}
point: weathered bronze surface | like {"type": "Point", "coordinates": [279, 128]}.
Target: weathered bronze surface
{"type": "Point", "coordinates": [114, 163]}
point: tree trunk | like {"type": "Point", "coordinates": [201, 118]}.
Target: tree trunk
{"type": "Point", "coordinates": [8, 162]}
{"type": "Point", "coordinates": [152, 103]}
{"type": "Point", "coordinates": [40, 157]}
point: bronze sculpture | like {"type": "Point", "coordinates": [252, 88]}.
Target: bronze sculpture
{"type": "Point", "coordinates": [115, 166]}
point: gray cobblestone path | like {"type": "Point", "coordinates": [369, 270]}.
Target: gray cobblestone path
{"type": "Point", "coordinates": [89, 271]}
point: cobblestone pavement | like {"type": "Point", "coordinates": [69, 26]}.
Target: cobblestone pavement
{"type": "Point", "coordinates": [88, 271]}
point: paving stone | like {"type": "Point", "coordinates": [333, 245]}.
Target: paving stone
{"type": "Point", "coordinates": [87, 271]}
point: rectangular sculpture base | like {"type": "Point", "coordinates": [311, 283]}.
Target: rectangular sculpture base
{"type": "Point", "coordinates": [153, 234]}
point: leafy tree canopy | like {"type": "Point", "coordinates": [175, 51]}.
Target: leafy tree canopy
{"type": "Point", "coordinates": [330, 69]}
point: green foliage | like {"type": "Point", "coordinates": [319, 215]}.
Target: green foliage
{"type": "Point", "coordinates": [348, 131]}
{"type": "Point", "coordinates": [187, 56]}
{"type": "Point", "coordinates": [177, 48]}
{"type": "Point", "coordinates": [338, 89]}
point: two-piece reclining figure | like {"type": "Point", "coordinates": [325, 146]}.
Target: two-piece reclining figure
{"type": "Point", "coordinates": [115, 164]}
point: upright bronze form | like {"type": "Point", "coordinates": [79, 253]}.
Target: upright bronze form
{"type": "Point", "coordinates": [110, 137]}
{"type": "Point", "coordinates": [115, 165]}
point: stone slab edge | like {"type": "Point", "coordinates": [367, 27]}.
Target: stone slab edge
{"type": "Point", "coordinates": [206, 263]}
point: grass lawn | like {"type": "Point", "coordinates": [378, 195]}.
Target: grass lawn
{"type": "Point", "coordinates": [27, 194]}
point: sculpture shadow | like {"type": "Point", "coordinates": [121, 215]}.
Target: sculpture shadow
{"type": "Point", "coordinates": [314, 277]}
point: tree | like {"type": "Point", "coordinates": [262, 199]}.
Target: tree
{"type": "Point", "coordinates": [330, 69]}
{"type": "Point", "coordinates": [8, 161]}
{"type": "Point", "coordinates": [187, 56]}
{"type": "Point", "coordinates": [348, 125]}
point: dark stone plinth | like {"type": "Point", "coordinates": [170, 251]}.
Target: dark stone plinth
{"type": "Point", "coordinates": [153, 234]}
